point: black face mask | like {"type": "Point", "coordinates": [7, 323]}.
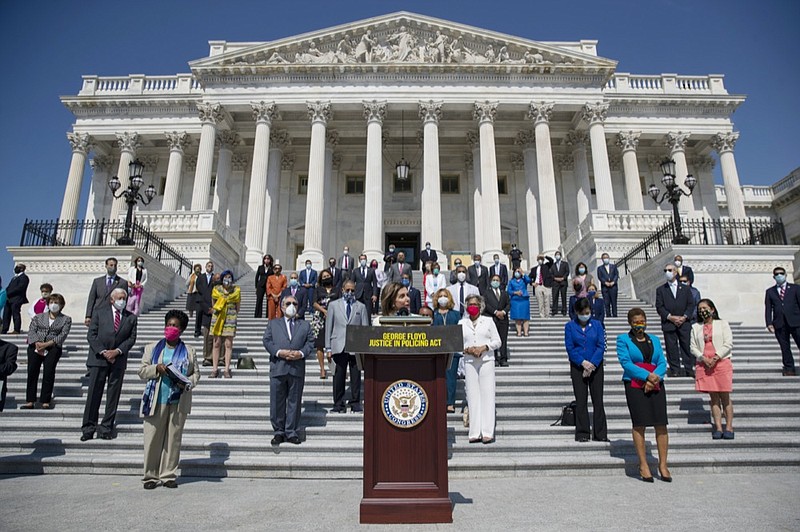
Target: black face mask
{"type": "Point", "coordinates": [332, 264]}
{"type": "Point", "coordinates": [326, 281]}
{"type": "Point", "coordinates": [18, 270]}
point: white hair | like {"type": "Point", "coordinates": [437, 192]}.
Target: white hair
{"type": "Point", "coordinates": [119, 291]}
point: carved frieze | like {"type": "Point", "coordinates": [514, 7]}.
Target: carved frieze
{"type": "Point", "coordinates": [319, 111]}
{"type": "Point", "coordinates": [101, 163]}
{"type": "Point", "coordinates": [287, 161]}
{"type": "Point", "coordinates": [227, 139]}
{"type": "Point", "coordinates": [517, 161]}
{"type": "Point", "coordinates": [240, 162]}
{"type": "Point", "coordinates": [210, 112]}
{"type": "Point", "coordinates": [525, 138]}
{"type": "Point", "coordinates": [280, 139]}
{"type": "Point", "coordinates": [485, 111]}
{"type": "Point", "coordinates": [540, 112]}
{"type": "Point", "coordinates": [595, 112]}
{"type": "Point", "coordinates": [576, 138]}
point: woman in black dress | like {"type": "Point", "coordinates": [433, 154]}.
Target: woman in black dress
{"type": "Point", "coordinates": [326, 292]}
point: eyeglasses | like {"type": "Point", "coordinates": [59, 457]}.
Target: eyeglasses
{"type": "Point", "coordinates": [291, 303]}
{"type": "Point", "coordinates": [668, 270]}
{"type": "Point", "coordinates": [349, 291]}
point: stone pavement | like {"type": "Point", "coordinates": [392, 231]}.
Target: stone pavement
{"type": "Point", "coordinates": [747, 502]}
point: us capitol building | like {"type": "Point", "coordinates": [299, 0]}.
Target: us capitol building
{"type": "Point", "coordinates": [293, 147]}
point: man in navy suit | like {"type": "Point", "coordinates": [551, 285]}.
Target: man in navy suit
{"type": "Point", "coordinates": [608, 275]}
{"type": "Point", "coordinates": [478, 274]}
{"type": "Point", "coordinates": [337, 275]}
{"type": "Point", "coordinates": [782, 314]}
{"type": "Point", "coordinates": [17, 293]}
{"type": "Point", "coordinates": [366, 284]}
{"type": "Point", "coordinates": [683, 270]}
{"type": "Point", "coordinates": [428, 255]}
{"type": "Point", "coordinates": [296, 291]}
{"type": "Point", "coordinates": [308, 280]}
{"type": "Point", "coordinates": [414, 295]}
{"type": "Point", "coordinates": [288, 340]}
{"type": "Point", "coordinates": [499, 269]}
{"type": "Point", "coordinates": [675, 305]}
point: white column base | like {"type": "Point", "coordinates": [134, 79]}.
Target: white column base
{"type": "Point", "coordinates": [316, 257]}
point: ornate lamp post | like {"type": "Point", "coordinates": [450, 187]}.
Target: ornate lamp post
{"type": "Point", "coordinates": [673, 194]}
{"type": "Point", "coordinates": [402, 167]}
{"type": "Point", "coordinates": [132, 197]}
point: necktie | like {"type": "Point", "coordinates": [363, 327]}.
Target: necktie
{"type": "Point", "coordinates": [108, 284]}
{"type": "Point", "coordinates": [349, 308]}
{"type": "Point", "coordinates": [539, 276]}
{"type": "Point", "coordinates": [346, 264]}
{"type": "Point", "coordinates": [782, 291]}
{"type": "Point", "coordinates": [363, 273]}
{"type": "Point", "coordinates": [117, 320]}
{"type": "Point", "coordinates": [291, 329]}
{"type": "Point", "coordinates": [461, 299]}
{"type": "Point", "coordinates": [294, 291]}
{"type": "Point", "coordinates": [497, 294]}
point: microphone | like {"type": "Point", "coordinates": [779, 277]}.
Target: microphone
{"type": "Point", "coordinates": [403, 312]}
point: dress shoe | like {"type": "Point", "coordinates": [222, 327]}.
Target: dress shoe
{"type": "Point", "coordinates": [673, 373]}
{"type": "Point", "coordinates": [601, 439]}
{"type": "Point", "coordinates": [503, 364]}
{"type": "Point", "coordinates": [27, 406]}
{"type": "Point", "coordinates": [582, 439]}
{"type": "Point", "coordinates": [87, 436]}
{"type": "Point", "coordinates": [789, 373]}
{"type": "Point", "coordinates": [207, 363]}
{"type": "Point", "coordinates": [727, 435]}
{"type": "Point", "coordinates": [716, 435]}
{"type": "Point", "coordinates": [356, 408]}
{"type": "Point", "coordinates": [478, 440]}
{"type": "Point", "coordinates": [277, 439]}
{"type": "Point", "coordinates": [294, 439]}
{"type": "Point", "coordinates": [689, 373]}
{"type": "Point", "coordinates": [649, 478]}
{"type": "Point", "coordinates": [663, 477]}
{"type": "Point", "coordinates": [150, 485]}
{"type": "Point", "coordinates": [487, 441]}
{"type": "Point", "coordinates": [171, 484]}
{"type": "Point", "coordinates": [107, 436]}
{"type": "Point", "coordinates": [339, 409]}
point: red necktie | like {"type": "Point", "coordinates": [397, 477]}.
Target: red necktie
{"type": "Point", "coordinates": [539, 276]}
{"type": "Point", "coordinates": [117, 319]}
{"type": "Point", "coordinates": [782, 291]}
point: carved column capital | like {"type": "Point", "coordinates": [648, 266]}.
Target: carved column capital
{"type": "Point", "coordinates": [473, 139]}
{"type": "Point", "coordinates": [595, 112]}
{"type": "Point", "coordinates": [565, 162]}
{"type": "Point", "coordinates": [724, 142]}
{"type": "Point", "coordinates": [468, 160]}
{"type": "Point", "coordinates": [517, 161]}
{"type": "Point", "coordinates": [676, 141]}
{"type": "Point", "coordinates": [703, 162]}
{"type": "Point", "coordinates": [210, 113]}
{"type": "Point", "coordinates": [628, 140]}
{"type": "Point", "coordinates": [128, 141]}
{"type": "Point", "coordinates": [654, 162]}
{"type": "Point", "coordinates": [319, 111]}
{"type": "Point", "coordinates": [485, 111]}
{"type": "Point", "coordinates": [240, 162]}
{"type": "Point", "coordinates": [265, 112]}
{"type": "Point", "coordinates": [576, 138]}
{"type": "Point", "coordinates": [190, 162]}
{"type": "Point", "coordinates": [336, 160]}
{"type": "Point", "coordinates": [150, 161]}
{"type": "Point", "coordinates": [331, 139]}
{"type": "Point", "coordinates": [287, 161]}
{"type": "Point", "coordinates": [430, 111]}
{"type": "Point", "coordinates": [101, 163]}
{"type": "Point", "coordinates": [227, 139]}
{"type": "Point", "coordinates": [525, 138]}
{"type": "Point", "coordinates": [614, 161]}
{"type": "Point", "coordinates": [80, 142]}
{"type": "Point", "coordinates": [374, 111]}
{"type": "Point", "coordinates": [280, 139]}
{"type": "Point", "coordinates": [540, 112]}
{"type": "Point", "coordinates": [178, 141]}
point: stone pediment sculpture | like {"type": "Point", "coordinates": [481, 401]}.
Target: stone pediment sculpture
{"type": "Point", "coordinates": [406, 39]}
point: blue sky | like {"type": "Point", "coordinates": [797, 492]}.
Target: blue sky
{"type": "Point", "coordinates": [48, 44]}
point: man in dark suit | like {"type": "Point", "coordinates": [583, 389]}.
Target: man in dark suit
{"type": "Point", "coordinates": [675, 305]}
{"type": "Point", "coordinates": [336, 273]}
{"type": "Point", "coordinates": [262, 273]}
{"type": "Point", "coordinates": [478, 274]}
{"type": "Point", "coordinates": [102, 287]}
{"type": "Point", "coordinates": [399, 268]}
{"type": "Point", "coordinates": [205, 285]}
{"type": "Point", "coordinates": [782, 315]}
{"type": "Point", "coordinates": [499, 269]}
{"type": "Point", "coordinates": [542, 281]}
{"type": "Point", "coordinates": [17, 293]}
{"type": "Point", "coordinates": [296, 292]}
{"type": "Point", "coordinates": [428, 255]}
{"type": "Point", "coordinates": [608, 276]}
{"type": "Point", "coordinates": [515, 255]}
{"type": "Point", "coordinates": [389, 258]}
{"type": "Point", "coordinates": [683, 270]}
{"type": "Point", "coordinates": [414, 295]}
{"type": "Point", "coordinates": [560, 269]}
{"type": "Point", "coordinates": [366, 284]}
{"type": "Point", "coordinates": [112, 333]}
{"type": "Point", "coordinates": [8, 365]}
{"type": "Point", "coordinates": [346, 264]}
{"type": "Point", "coordinates": [498, 305]}
{"type": "Point", "coordinates": [308, 281]}
{"type": "Point", "coordinates": [288, 340]}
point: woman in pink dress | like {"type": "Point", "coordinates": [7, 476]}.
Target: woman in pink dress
{"type": "Point", "coordinates": [712, 344]}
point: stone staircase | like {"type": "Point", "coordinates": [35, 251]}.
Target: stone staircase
{"type": "Point", "coordinates": [228, 432]}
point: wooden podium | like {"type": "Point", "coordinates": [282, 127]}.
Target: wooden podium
{"type": "Point", "coordinates": [405, 421]}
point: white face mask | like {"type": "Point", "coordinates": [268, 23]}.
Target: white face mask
{"type": "Point", "coordinates": [669, 276]}
{"type": "Point", "coordinates": [290, 311]}
{"type": "Point", "coordinates": [678, 263]}
{"type": "Point", "coordinates": [363, 263]}
{"type": "Point", "coordinates": [345, 252]}
{"type": "Point", "coordinates": [55, 308]}
{"type": "Point", "coordinates": [119, 304]}
{"type": "Point", "coordinates": [45, 295]}
{"type": "Point", "coordinates": [461, 277]}
{"type": "Point", "coordinates": [442, 301]}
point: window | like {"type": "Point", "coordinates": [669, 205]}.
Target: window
{"type": "Point", "coordinates": [403, 185]}
{"type": "Point", "coordinates": [163, 186]}
{"type": "Point", "coordinates": [450, 184]}
{"type": "Point", "coordinates": [213, 186]}
{"type": "Point", "coordinates": [355, 184]}
{"type": "Point", "coordinates": [502, 184]}
{"type": "Point", "coordinates": [302, 184]}
{"type": "Point", "coordinates": [591, 185]}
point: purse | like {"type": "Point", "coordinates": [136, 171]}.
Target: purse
{"type": "Point", "coordinates": [567, 418]}
{"type": "Point", "coordinates": [638, 383]}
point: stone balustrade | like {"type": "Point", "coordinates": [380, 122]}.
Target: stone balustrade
{"type": "Point", "coordinates": [754, 196]}
{"type": "Point", "coordinates": [139, 84]}
{"type": "Point", "coordinates": [618, 221]}
{"type": "Point", "coordinates": [787, 183]}
{"type": "Point", "coordinates": [625, 83]}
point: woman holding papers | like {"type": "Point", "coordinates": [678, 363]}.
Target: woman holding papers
{"type": "Point", "coordinates": [643, 370]}
{"type": "Point", "coordinates": [171, 371]}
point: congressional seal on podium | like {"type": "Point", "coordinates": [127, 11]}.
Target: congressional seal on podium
{"type": "Point", "coordinates": [404, 404]}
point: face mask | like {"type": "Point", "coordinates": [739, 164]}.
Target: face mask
{"type": "Point", "coordinates": [685, 283]}
{"type": "Point", "coordinates": [605, 262]}
{"type": "Point", "coordinates": [476, 262]}
{"type": "Point", "coordinates": [583, 318]}
{"type": "Point", "coordinates": [308, 266]}
{"type": "Point", "coordinates": [119, 304]}
{"type": "Point", "coordinates": [346, 252]}
{"type": "Point", "coordinates": [458, 264]}
{"type": "Point", "coordinates": [581, 270]}
{"type": "Point", "coordinates": [391, 250]}
{"type": "Point", "coordinates": [591, 293]}
{"type": "Point", "coordinates": [18, 270]}
{"type": "Point", "coordinates": [172, 334]}
{"type": "Point", "coordinates": [705, 314]}
{"type": "Point", "coordinates": [326, 281]}
{"type": "Point", "coordinates": [513, 247]}
{"type": "Point", "coordinates": [497, 262]}
{"type": "Point", "coordinates": [473, 310]}
{"type": "Point", "coordinates": [349, 297]}
{"type": "Point", "coordinates": [406, 282]}
{"type": "Point", "coordinates": [461, 277]}
{"type": "Point", "coordinates": [639, 328]}
{"type": "Point", "coordinates": [428, 248]}
{"type": "Point", "coordinates": [290, 311]}
{"type": "Point", "coordinates": [540, 261]}
{"type": "Point", "coordinates": [112, 271]}
{"type": "Point", "coordinates": [558, 257]}
{"type": "Point", "coordinates": [45, 295]}
{"type": "Point", "coordinates": [669, 275]}
{"type": "Point", "coordinates": [292, 282]}
{"type": "Point", "coordinates": [495, 284]}
{"type": "Point", "coordinates": [54, 308]}
{"type": "Point", "coordinates": [436, 271]}
{"type": "Point", "coordinates": [373, 265]}
{"type": "Point", "coordinates": [227, 281]}
{"type": "Point", "coordinates": [678, 263]}
{"type": "Point", "coordinates": [517, 275]}
{"type": "Point", "coordinates": [443, 301]}
{"type": "Point", "coordinates": [780, 278]}
{"type": "Point", "coordinates": [363, 263]}
{"type": "Point", "coordinates": [332, 264]}
{"type": "Point", "coordinates": [140, 263]}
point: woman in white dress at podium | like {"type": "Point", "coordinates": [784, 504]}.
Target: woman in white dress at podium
{"type": "Point", "coordinates": [480, 341]}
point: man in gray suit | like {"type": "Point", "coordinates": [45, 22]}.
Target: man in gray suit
{"type": "Point", "coordinates": [346, 264]}
{"type": "Point", "coordinates": [102, 287]}
{"type": "Point", "coordinates": [397, 270]}
{"type": "Point", "coordinates": [112, 333]}
{"type": "Point", "coordinates": [288, 341]}
{"type": "Point", "coordinates": [341, 313]}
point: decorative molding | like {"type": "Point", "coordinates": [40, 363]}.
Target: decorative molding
{"type": "Point", "coordinates": [265, 112]}
{"type": "Point", "coordinates": [430, 111]}
{"type": "Point", "coordinates": [319, 111]}
{"type": "Point", "coordinates": [628, 140]}
{"type": "Point", "coordinates": [724, 142]}
{"type": "Point", "coordinates": [525, 138]}
{"type": "Point", "coordinates": [287, 161]}
{"type": "Point", "coordinates": [485, 111]}
{"type": "Point", "coordinates": [279, 139]}
{"type": "Point", "coordinates": [577, 138]}
{"type": "Point", "coordinates": [703, 162]}
{"type": "Point", "coordinates": [80, 142]}
{"type": "Point", "coordinates": [150, 161]}
{"type": "Point", "coordinates": [240, 162]}
{"type": "Point", "coordinates": [654, 162]}
{"type": "Point", "coordinates": [331, 139]}
{"type": "Point", "coordinates": [468, 160]}
{"type": "Point", "coordinates": [517, 161]}
{"type": "Point", "coordinates": [565, 161]}
{"type": "Point", "coordinates": [210, 113]}
{"type": "Point", "coordinates": [676, 142]}
{"type": "Point", "coordinates": [190, 163]}
{"type": "Point", "coordinates": [473, 139]}
{"type": "Point", "coordinates": [614, 161]}
{"type": "Point", "coordinates": [178, 141]}
{"type": "Point", "coordinates": [594, 113]}
{"type": "Point", "coordinates": [128, 142]}
{"type": "Point", "coordinates": [336, 160]}
{"type": "Point", "coordinates": [227, 139]}
{"type": "Point", "coordinates": [374, 111]}
{"type": "Point", "coordinates": [101, 163]}
{"type": "Point", "coordinates": [540, 112]}
{"type": "Point", "coordinates": [420, 137]}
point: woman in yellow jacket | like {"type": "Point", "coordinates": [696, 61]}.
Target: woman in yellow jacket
{"type": "Point", "coordinates": [225, 302]}
{"type": "Point", "coordinates": [170, 369]}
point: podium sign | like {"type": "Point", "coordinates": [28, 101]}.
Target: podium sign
{"type": "Point", "coordinates": [405, 421]}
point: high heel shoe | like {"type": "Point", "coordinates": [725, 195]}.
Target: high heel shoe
{"type": "Point", "coordinates": [663, 477]}
{"type": "Point", "coordinates": [649, 479]}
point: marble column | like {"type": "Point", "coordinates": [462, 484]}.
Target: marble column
{"type": "Point", "coordinates": [577, 140]}
{"type": "Point", "coordinates": [237, 197]}
{"type": "Point", "coordinates": [527, 141]}
{"type": "Point", "coordinates": [285, 193]}
{"type": "Point", "coordinates": [128, 144]}
{"type": "Point", "coordinates": [279, 140]}
{"type": "Point", "coordinates": [320, 114]}
{"type": "Point", "coordinates": [210, 114]}
{"type": "Point", "coordinates": [723, 143]}
{"type": "Point", "coordinates": [569, 191]}
{"type": "Point", "coordinates": [627, 142]}
{"type": "Point", "coordinates": [177, 143]}
{"type": "Point", "coordinates": [676, 142]}
{"type": "Point", "coordinates": [484, 113]}
{"type": "Point", "coordinates": [654, 165]}
{"type": "Point", "coordinates": [263, 114]}
{"type": "Point", "coordinates": [595, 116]}
{"type": "Point", "coordinates": [540, 113]}
{"type": "Point", "coordinates": [518, 190]}
{"type": "Point", "coordinates": [374, 114]}
{"type": "Point", "coordinates": [81, 144]}
{"type": "Point", "coordinates": [329, 192]}
{"type": "Point", "coordinates": [227, 140]}
{"type": "Point", "coordinates": [430, 113]}
{"type": "Point", "coordinates": [703, 165]}
{"type": "Point", "coordinates": [477, 199]}
{"type": "Point", "coordinates": [96, 206]}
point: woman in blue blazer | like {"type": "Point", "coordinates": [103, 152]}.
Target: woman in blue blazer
{"type": "Point", "coordinates": [585, 341]}
{"type": "Point", "coordinates": [445, 315]}
{"type": "Point", "coordinates": [644, 367]}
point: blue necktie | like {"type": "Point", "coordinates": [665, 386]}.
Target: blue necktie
{"type": "Point", "coordinates": [349, 308]}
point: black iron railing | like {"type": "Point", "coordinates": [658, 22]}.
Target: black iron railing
{"type": "Point", "coordinates": [101, 233]}
{"type": "Point", "coordinates": [706, 232]}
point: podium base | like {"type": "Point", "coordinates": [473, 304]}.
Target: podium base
{"type": "Point", "coordinates": [406, 510]}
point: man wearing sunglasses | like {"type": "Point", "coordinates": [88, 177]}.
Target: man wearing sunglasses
{"type": "Point", "coordinates": [675, 305]}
